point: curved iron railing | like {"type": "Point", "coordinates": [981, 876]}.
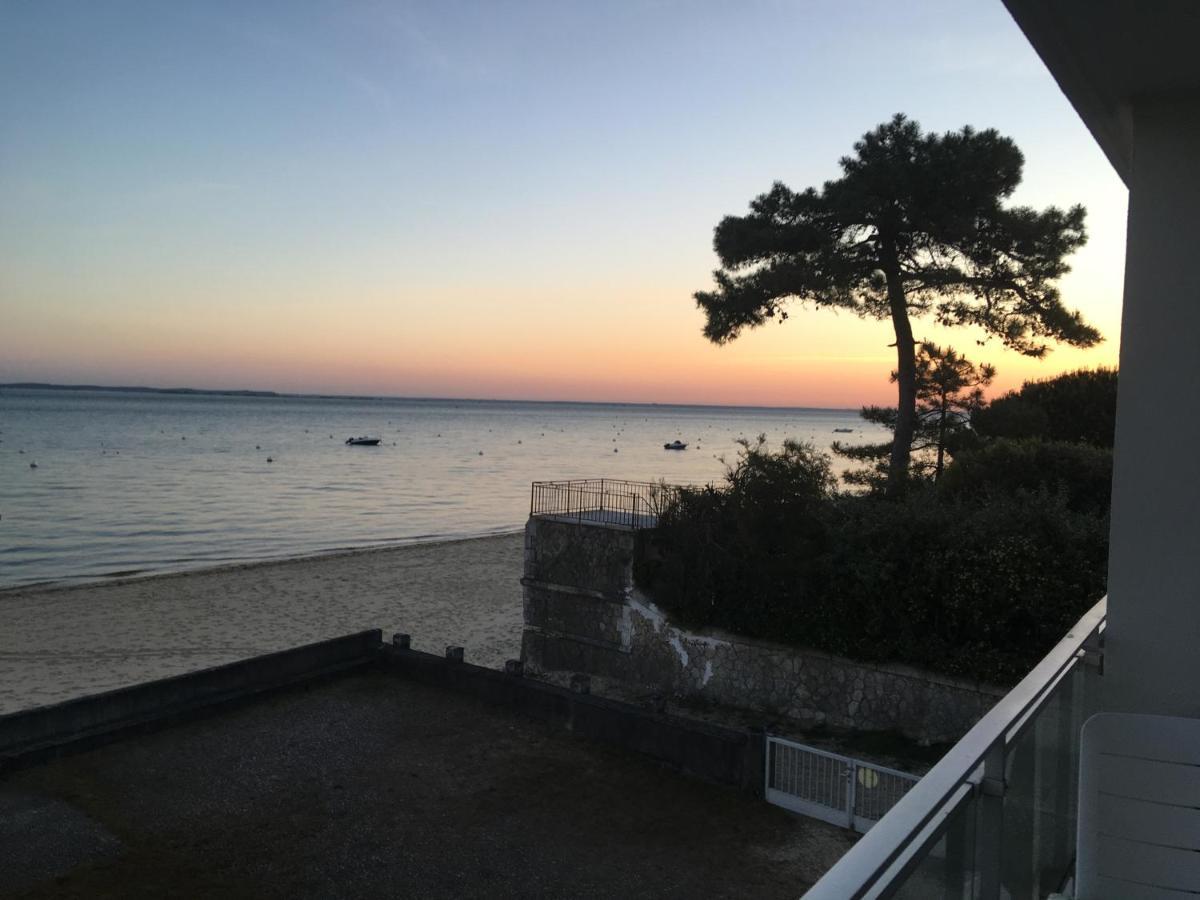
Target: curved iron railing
{"type": "Point", "coordinates": [603, 501]}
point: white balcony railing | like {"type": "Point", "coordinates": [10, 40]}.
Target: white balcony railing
{"type": "Point", "coordinates": [996, 816]}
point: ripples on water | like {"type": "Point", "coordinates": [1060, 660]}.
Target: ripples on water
{"type": "Point", "coordinates": [138, 482]}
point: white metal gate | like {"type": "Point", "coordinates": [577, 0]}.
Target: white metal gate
{"type": "Point", "coordinates": [833, 788]}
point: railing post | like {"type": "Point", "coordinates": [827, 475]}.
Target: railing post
{"type": "Point", "coordinates": [958, 867]}
{"type": "Point", "coordinates": [768, 760]}
{"type": "Point", "coordinates": [989, 838]}
{"type": "Point", "coordinates": [1092, 652]}
{"type": "Point", "coordinates": [851, 791]}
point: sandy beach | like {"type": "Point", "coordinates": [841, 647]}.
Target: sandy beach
{"type": "Point", "coordinates": [59, 643]}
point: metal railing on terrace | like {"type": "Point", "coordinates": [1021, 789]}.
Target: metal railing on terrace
{"type": "Point", "coordinates": [603, 501]}
{"type": "Point", "coordinates": [996, 816]}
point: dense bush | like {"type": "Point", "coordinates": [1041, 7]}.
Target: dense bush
{"type": "Point", "coordinates": [763, 538]}
{"type": "Point", "coordinates": [1081, 472]}
{"type": "Point", "coordinates": [977, 588]}
{"type": "Point", "coordinates": [974, 580]}
{"type": "Point", "coordinates": [1079, 406]}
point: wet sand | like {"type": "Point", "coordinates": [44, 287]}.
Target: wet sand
{"type": "Point", "coordinates": [59, 643]}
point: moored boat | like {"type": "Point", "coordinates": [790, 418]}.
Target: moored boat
{"type": "Point", "coordinates": [363, 441]}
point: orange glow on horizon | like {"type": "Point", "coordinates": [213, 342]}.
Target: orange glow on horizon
{"type": "Point", "coordinates": [817, 359]}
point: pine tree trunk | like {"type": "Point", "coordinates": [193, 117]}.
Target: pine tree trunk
{"type": "Point", "coordinates": [937, 474]}
{"type": "Point", "coordinates": [906, 382]}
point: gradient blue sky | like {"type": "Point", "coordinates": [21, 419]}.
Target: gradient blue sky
{"type": "Point", "coordinates": [485, 200]}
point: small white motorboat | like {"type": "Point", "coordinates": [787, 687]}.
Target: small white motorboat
{"type": "Point", "coordinates": [675, 445]}
{"type": "Point", "coordinates": [363, 441]}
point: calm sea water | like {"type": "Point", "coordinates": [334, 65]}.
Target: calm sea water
{"type": "Point", "coordinates": [130, 483]}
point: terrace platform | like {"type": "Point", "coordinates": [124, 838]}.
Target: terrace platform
{"type": "Point", "coordinates": [378, 782]}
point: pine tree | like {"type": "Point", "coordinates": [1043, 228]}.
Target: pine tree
{"type": "Point", "coordinates": [949, 391]}
{"type": "Point", "coordinates": [915, 227]}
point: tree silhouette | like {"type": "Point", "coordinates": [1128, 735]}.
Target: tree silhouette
{"type": "Point", "coordinates": [949, 392]}
{"type": "Point", "coordinates": [914, 227]}
{"type": "Point", "coordinates": [1074, 406]}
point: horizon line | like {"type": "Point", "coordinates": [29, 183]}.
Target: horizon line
{"type": "Point", "coordinates": [264, 394]}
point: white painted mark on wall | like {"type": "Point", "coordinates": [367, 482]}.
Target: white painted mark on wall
{"type": "Point", "coordinates": [646, 609]}
{"type": "Point", "coordinates": [677, 645]}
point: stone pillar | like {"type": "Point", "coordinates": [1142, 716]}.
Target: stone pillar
{"type": "Point", "coordinates": [578, 576]}
{"type": "Point", "coordinates": [1152, 660]}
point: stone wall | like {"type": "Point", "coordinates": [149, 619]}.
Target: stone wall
{"type": "Point", "coordinates": [584, 614]}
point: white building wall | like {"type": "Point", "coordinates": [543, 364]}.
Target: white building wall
{"type": "Point", "coordinates": [1152, 661]}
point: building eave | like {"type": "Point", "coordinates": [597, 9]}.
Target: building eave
{"type": "Point", "coordinates": [1106, 117]}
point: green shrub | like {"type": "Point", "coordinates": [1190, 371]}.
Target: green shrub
{"type": "Point", "coordinates": [1078, 406]}
{"type": "Point", "coordinates": [974, 589]}
{"type": "Point", "coordinates": [743, 556]}
{"type": "Point", "coordinates": [1082, 472]}
{"type": "Point", "coordinates": [976, 580]}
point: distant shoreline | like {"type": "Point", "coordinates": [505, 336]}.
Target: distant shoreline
{"type": "Point", "coordinates": [277, 395]}
{"type": "Point", "coordinates": [128, 389]}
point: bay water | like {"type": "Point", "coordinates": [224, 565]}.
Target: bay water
{"type": "Point", "coordinates": [96, 483]}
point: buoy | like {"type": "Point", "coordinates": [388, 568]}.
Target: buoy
{"type": "Point", "coordinates": [256, 447]}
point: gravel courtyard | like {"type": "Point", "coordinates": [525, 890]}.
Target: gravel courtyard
{"type": "Point", "coordinates": [373, 786]}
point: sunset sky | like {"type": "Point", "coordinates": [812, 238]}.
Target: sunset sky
{"type": "Point", "coordinates": [478, 199]}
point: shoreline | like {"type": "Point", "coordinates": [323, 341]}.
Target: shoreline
{"type": "Point", "coordinates": [202, 568]}
{"type": "Point", "coordinates": [64, 641]}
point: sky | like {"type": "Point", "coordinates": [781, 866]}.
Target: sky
{"type": "Point", "coordinates": [491, 200]}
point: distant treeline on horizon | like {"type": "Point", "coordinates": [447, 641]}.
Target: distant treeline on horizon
{"type": "Point", "coordinates": [217, 392]}
{"type": "Point", "coordinates": [132, 389]}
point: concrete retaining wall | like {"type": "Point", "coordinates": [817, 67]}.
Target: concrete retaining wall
{"type": "Point", "coordinates": [34, 733]}
{"type": "Point", "coordinates": [717, 754]}
{"type": "Point", "coordinates": [584, 614]}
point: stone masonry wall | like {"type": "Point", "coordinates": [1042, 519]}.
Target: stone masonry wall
{"type": "Point", "coordinates": [583, 614]}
